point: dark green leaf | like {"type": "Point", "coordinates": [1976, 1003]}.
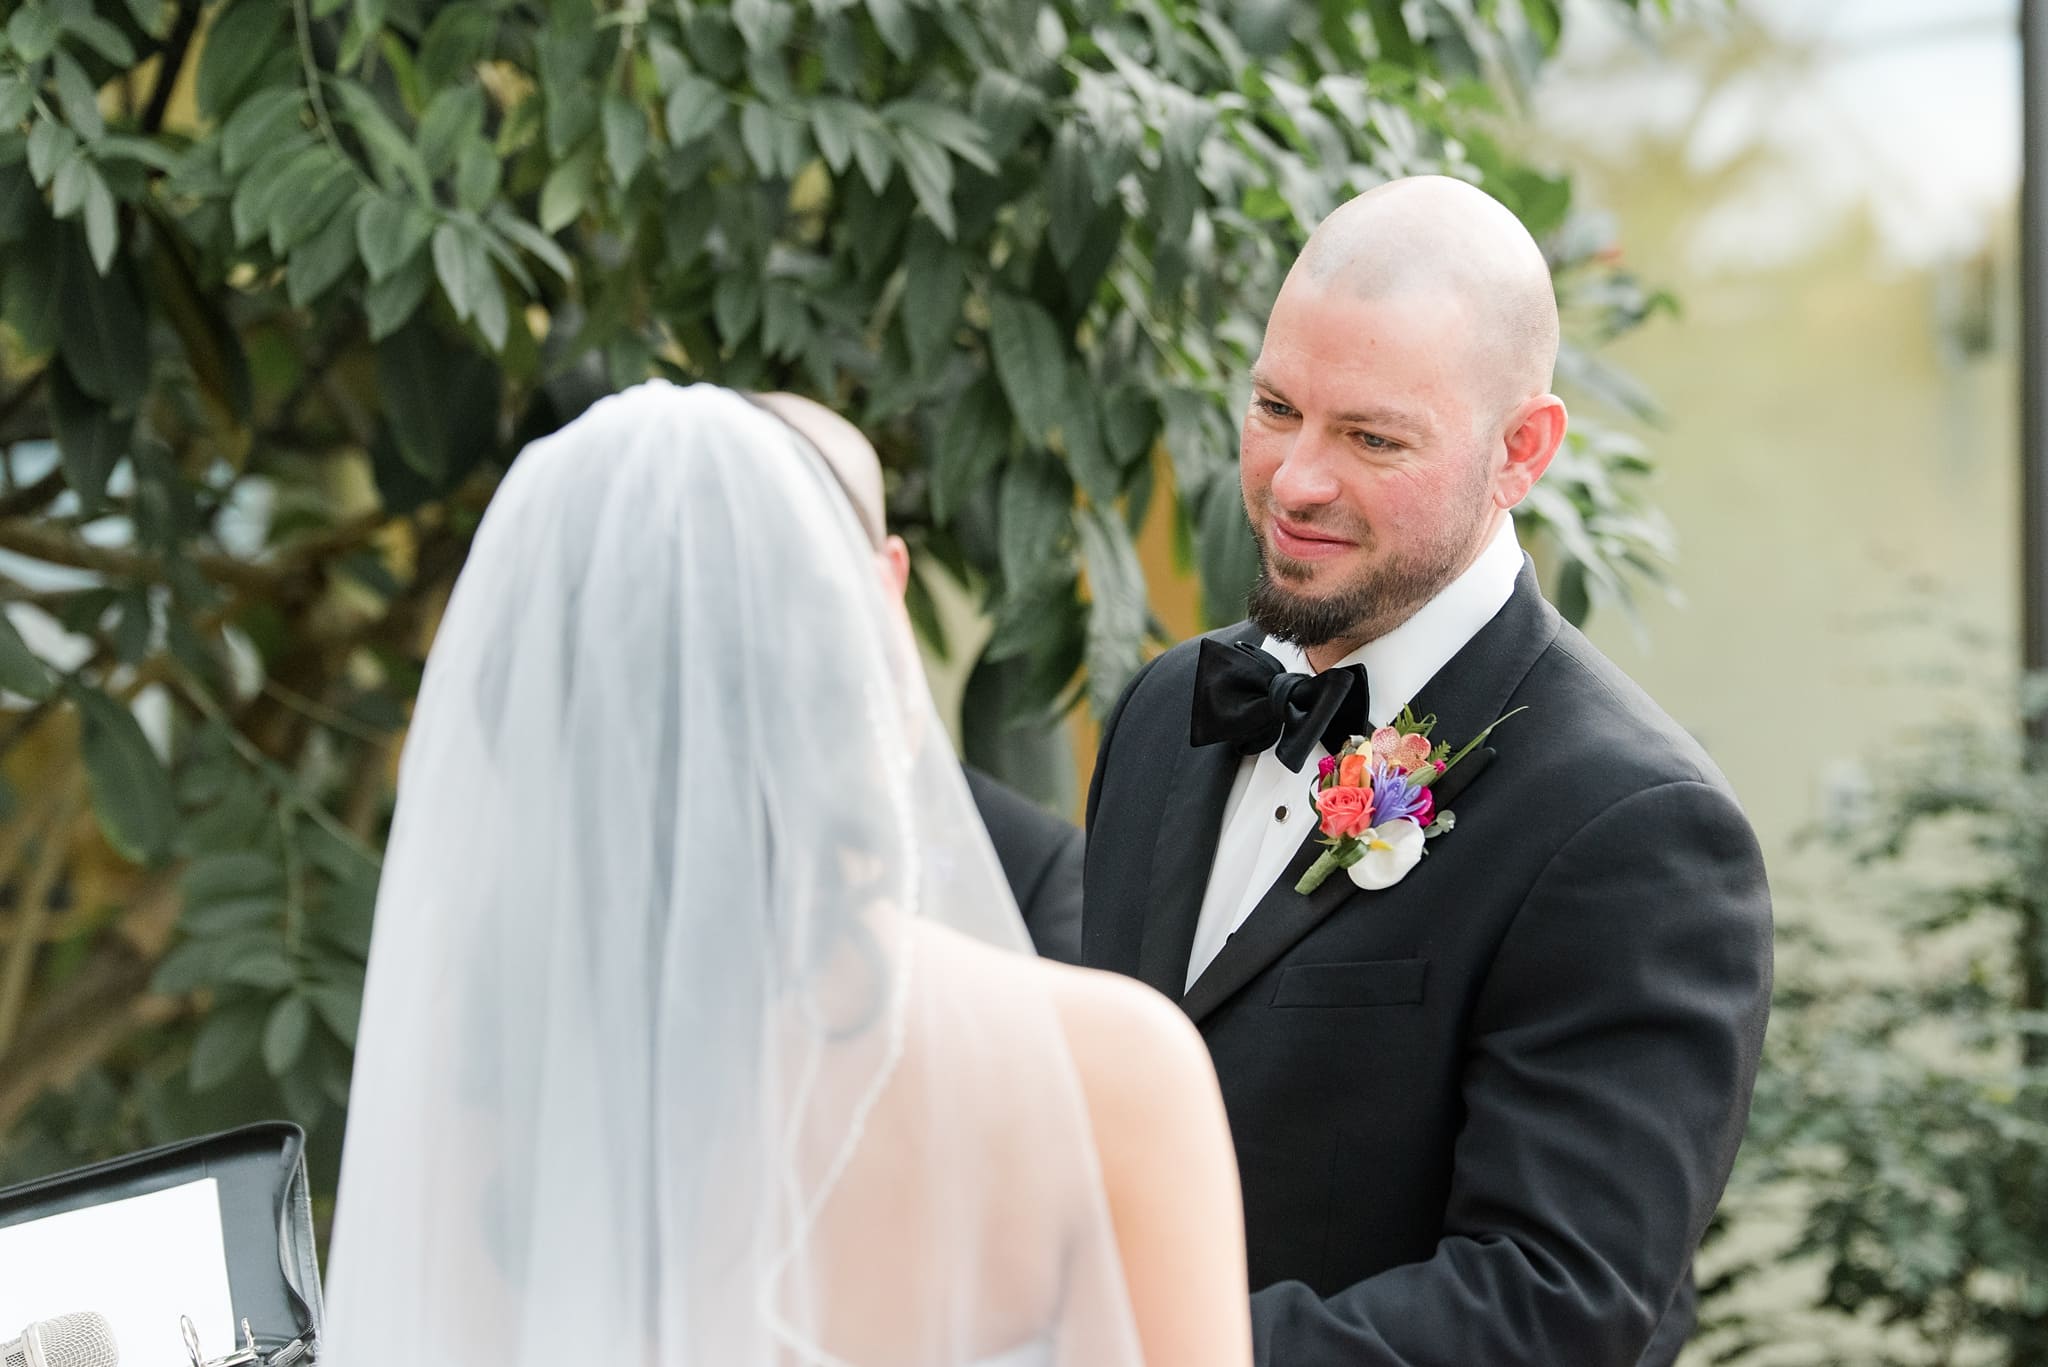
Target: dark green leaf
{"type": "Point", "coordinates": [393, 300]}
{"type": "Point", "coordinates": [120, 147]}
{"type": "Point", "coordinates": [1035, 507]}
{"type": "Point", "coordinates": [568, 189]}
{"type": "Point", "coordinates": [76, 96]}
{"type": "Point", "coordinates": [390, 231]}
{"type": "Point", "coordinates": [1031, 362]}
{"type": "Point", "coordinates": [148, 16]}
{"type": "Point", "coordinates": [535, 242]}
{"type": "Point", "coordinates": [102, 229]}
{"type": "Point", "coordinates": [32, 292]}
{"type": "Point", "coordinates": [1228, 559]}
{"type": "Point", "coordinates": [1007, 108]}
{"type": "Point", "coordinates": [735, 305]}
{"type": "Point", "coordinates": [625, 138]}
{"type": "Point", "coordinates": [20, 671]}
{"type": "Point", "coordinates": [306, 197]}
{"type": "Point", "coordinates": [1080, 434]}
{"type": "Point", "coordinates": [104, 333]}
{"type": "Point", "coordinates": [944, 127]}
{"type": "Point", "coordinates": [231, 877]}
{"type": "Point", "coordinates": [396, 161]}
{"type": "Point", "coordinates": [102, 37]}
{"type": "Point", "coordinates": [90, 439]}
{"type": "Point", "coordinates": [785, 323]}
{"type": "Point", "coordinates": [242, 35]}
{"type": "Point", "coordinates": [973, 436]}
{"type": "Point", "coordinates": [441, 402]}
{"type": "Point", "coordinates": [874, 154]}
{"type": "Point", "coordinates": [934, 287]}
{"type": "Point", "coordinates": [832, 127]}
{"type": "Point", "coordinates": [254, 128]}
{"type": "Point", "coordinates": [322, 260]}
{"type": "Point", "coordinates": [1117, 610]}
{"type": "Point", "coordinates": [131, 793]}
{"type": "Point", "coordinates": [478, 173]}
{"type": "Point", "coordinates": [49, 144]}
{"type": "Point", "coordinates": [17, 98]}
{"type": "Point", "coordinates": [896, 24]}
{"type": "Point", "coordinates": [227, 1041]}
{"type": "Point", "coordinates": [694, 108]}
{"type": "Point", "coordinates": [67, 187]}
{"type": "Point", "coordinates": [464, 268]}
{"type": "Point", "coordinates": [231, 915]}
{"type": "Point", "coordinates": [32, 32]}
{"type": "Point", "coordinates": [457, 40]}
{"type": "Point", "coordinates": [757, 135]}
{"type": "Point", "coordinates": [340, 1006]}
{"type": "Point", "coordinates": [455, 117]}
{"type": "Point", "coordinates": [261, 965]}
{"type": "Point", "coordinates": [931, 179]}
{"type": "Point", "coordinates": [284, 1037]}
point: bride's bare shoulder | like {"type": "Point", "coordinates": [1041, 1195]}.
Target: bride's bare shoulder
{"type": "Point", "coordinates": [1123, 1035]}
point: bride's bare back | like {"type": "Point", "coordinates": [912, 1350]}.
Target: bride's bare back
{"type": "Point", "coordinates": [967, 1177]}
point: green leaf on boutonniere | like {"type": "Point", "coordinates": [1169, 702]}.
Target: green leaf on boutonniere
{"type": "Point", "coordinates": [1470, 746]}
{"type": "Point", "coordinates": [1445, 820]}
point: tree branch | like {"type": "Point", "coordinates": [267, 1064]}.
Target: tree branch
{"type": "Point", "coordinates": [170, 64]}
{"type": "Point", "coordinates": [52, 545]}
{"type": "Point", "coordinates": [32, 497]}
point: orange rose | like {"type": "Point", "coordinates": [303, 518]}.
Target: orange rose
{"type": "Point", "coordinates": [1346, 811]}
{"type": "Point", "coordinates": [1351, 771]}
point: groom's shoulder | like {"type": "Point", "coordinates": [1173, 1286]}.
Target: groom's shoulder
{"type": "Point", "coordinates": [1176, 665]}
{"type": "Point", "coordinates": [1596, 707]}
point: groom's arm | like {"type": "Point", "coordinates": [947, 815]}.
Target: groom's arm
{"type": "Point", "coordinates": [1606, 1088]}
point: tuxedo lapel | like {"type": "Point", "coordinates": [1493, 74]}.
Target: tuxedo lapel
{"type": "Point", "coordinates": [1182, 862]}
{"type": "Point", "coordinates": [1466, 696]}
{"type": "Point", "coordinates": [1190, 822]}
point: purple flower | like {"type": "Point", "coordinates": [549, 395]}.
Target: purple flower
{"type": "Point", "coordinates": [1393, 797]}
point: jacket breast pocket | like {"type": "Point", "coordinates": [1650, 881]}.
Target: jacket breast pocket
{"type": "Point", "coordinates": [1383, 982]}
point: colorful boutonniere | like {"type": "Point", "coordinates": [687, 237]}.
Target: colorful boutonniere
{"type": "Point", "coordinates": [1376, 805]}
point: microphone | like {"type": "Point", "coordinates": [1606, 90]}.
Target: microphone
{"type": "Point", "coordinates": [80, 1339]}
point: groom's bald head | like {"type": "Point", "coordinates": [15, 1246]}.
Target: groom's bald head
{"type": "Point", "coordinates": [1400, 408]}
{"type": "Point", "coordinates": [1442, 240]}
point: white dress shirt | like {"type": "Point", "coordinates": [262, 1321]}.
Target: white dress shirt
{"type": "Point", "coordinates": [1271, 809]}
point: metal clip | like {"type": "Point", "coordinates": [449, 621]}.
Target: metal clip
{"type": "Point", "coordinates": [238, 1358]}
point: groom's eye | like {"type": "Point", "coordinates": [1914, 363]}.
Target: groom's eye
{"type": "Point", "coordinates": [1372, 441]}
{"type": "Point", "coordinates": [1273, 408]}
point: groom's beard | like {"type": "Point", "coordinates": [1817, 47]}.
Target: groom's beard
{"type": "Point", "coordinates": [1380, 599]}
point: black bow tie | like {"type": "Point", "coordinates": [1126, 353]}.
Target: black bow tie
{"type": "Point", "coordinates": [1246, 697]}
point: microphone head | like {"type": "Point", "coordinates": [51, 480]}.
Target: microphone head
{"type": "Point", "coordinates": [80, 1339]}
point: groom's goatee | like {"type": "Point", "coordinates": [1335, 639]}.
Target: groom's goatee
{"type": "Point", "coordinates": [1375, 604]}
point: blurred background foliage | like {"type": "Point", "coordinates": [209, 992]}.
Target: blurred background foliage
{"type": "Point", "coordinates": [286, 284]}
{"type": "Point", "coordinates": [1897, 1158]}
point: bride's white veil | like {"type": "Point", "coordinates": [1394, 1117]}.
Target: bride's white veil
{"type": "Point", "coordinates": [699, 1026]}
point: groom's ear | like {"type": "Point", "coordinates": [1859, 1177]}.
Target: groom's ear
{"type": "Point", "coordinates": [894, 560]}
{"type": "Point", "coordinates": [1535, 431]}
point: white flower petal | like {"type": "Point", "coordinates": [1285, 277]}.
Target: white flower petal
{"type": "Point", "coordinates": [1391, 849]}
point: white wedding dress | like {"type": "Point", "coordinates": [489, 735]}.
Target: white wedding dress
{"type": "Point", "coordinates": [700, 1027]}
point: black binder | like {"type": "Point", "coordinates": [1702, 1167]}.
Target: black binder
{"type": "Point", "coordinates": [266, 1214]}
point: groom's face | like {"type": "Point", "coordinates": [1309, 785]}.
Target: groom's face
{"type": "Point", "coordinates": [1364, 468]}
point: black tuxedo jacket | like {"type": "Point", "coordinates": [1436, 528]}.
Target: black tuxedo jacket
{"type": "Point", "coordinates": [1482, 1116]}
{"type": "Point", "coordinates": [1041, 858]}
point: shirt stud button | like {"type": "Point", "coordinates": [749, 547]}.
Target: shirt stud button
{"type": "Point", "coordinates": [1280, 812]}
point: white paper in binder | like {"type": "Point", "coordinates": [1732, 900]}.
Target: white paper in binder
{"type": "Point", "coordinates": [142, 1262]}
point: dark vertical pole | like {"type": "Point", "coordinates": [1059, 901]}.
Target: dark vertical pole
{"type": "Point", "coordinates": [2033, 342]}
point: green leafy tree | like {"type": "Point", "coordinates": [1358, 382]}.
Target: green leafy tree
{"type": "Point", "coordinates": [287, 283]}
{"type": "Point", "coordinates": [1900, 1133]}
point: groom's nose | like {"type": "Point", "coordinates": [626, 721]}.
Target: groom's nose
{"type": "Point", "coordinates": [1307, 475]}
